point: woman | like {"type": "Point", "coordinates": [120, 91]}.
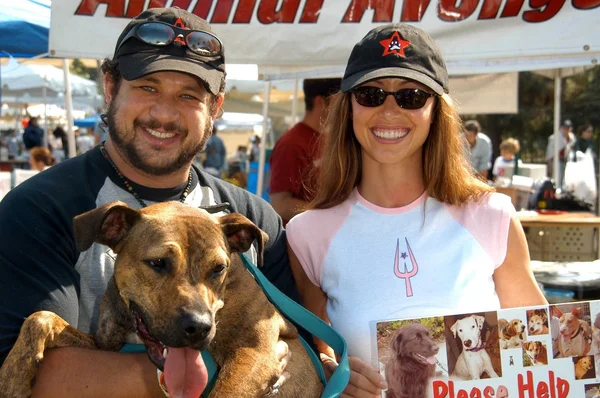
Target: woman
{"type": "Point", "coordinates": [40, 158]}
{"type": "Point", "coordinates": [400, 227]}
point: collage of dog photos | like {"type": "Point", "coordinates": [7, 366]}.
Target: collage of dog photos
{"type": "Point", "coordinates": [548, 351]}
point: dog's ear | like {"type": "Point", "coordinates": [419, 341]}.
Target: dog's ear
{"type": "Point", "coordinates": [454, 328]}
{"type": "Point", "coordinates": [577, 312]}
{"type": "Point", "coordinates": [107, 224]}
{"type": "Point", "coordinates": [396, 342]}
{"type": "Point", "coordinates": [241, 232]}
{"type": "Point", "coordinates": [556, 312]}
{"type": "Point", "coordinates": [480, 320]}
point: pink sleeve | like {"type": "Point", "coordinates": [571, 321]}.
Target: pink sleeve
{"type": "Point", "coordinates": [309, 234]}
{"type": "Point", "coordinates": [488, 220]}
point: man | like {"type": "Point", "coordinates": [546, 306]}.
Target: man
{"type": "Point", "coordinates": [480, 147]}
{"type": "Point", "coordinates": [566, 142]}
{"type": "Point", "coordinates": [215, 155]}
{"type": "Point", "coordinates": [33, 135]}
{"type": "Point", "coordinates": [85, 142]}
{"type": "Point", "coordinates": [586, 139]}
{"type": "Point", "coordinates": [13, 144]}
{"type": "Point", "coordinates": [162, 101]}
{"type": "Point", "coordinates": [294, 156]}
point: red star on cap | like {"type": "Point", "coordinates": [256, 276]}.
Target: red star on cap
{"type": "Point", "coordinates": [394, 45]}
{"type": "Point", "coordinates": [179, 23]}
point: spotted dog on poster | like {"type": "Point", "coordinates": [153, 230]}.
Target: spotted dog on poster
{"type": "Point", "coordinates": [556, 354]}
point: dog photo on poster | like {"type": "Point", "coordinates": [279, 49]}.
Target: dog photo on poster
{"type": "Point", "coordinates": [530, 352]}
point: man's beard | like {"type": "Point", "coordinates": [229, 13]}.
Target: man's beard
{"type": "Point", "coordinates": [136, 159]}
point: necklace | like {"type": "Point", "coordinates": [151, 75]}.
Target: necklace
{"type": "Point", "coordinates": [129, 187]}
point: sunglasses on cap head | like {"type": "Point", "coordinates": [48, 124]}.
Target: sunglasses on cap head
{"type": "Point", "coordinates": [407, 98]}
{"type": "Point", "coordinates": [162, 34]}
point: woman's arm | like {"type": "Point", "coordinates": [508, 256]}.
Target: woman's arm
{"type": "Point", "coordinates": [312, 297]}
{"type": "Point", "coordinates": [515, 284]}
{"type": "Point", "coordinates": [365, 381]}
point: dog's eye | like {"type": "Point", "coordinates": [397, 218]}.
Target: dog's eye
{"type": "Point", "coordinates": [158, 264]}
{"type": "Point", "coordinates": [218, 271]}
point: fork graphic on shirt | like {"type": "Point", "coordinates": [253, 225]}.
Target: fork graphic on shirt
{"type": "Point", "coordinates": [406, 275]}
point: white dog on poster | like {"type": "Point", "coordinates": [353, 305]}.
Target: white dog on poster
{"type": "Point", "coordinates": [474, 359]}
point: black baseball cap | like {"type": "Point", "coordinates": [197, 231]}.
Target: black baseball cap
{"type": "Point", "coordinates": [396, 50]}
{"type": "Point", "coordinates": [138, 59]}
{"type": "Point", "coordinates": [567, 123]}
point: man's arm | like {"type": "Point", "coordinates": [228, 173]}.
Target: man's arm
{"type": "Point", "coordinates": [486, 158]}
{"type": "Point", "coordinates": [77, 372]}
{"type": "Point", "coordinates": [289, 163]}
{"type": "Point", "coordinates": [286, 205]}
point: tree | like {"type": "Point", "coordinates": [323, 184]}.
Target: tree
{"type": "Point", "coordinates": [78, 68]}
{"type": "Point", "coordinates": [535, 121]}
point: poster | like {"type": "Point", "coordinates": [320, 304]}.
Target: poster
{"type": "Point", "coordinates": [543, 351]}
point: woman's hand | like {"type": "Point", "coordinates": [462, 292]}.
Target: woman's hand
{"type": "Point", "coordinates": [365, 381]}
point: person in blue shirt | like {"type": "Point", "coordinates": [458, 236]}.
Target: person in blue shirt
{"type": "Point", "coordinates": [215, 155]}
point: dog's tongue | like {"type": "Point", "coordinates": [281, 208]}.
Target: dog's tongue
{"type": "Point", "coordinates": [431, 359]}
{"type": "Point", "coordinates": [185, 373]}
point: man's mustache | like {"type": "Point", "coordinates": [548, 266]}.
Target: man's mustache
{"type": "Point", "coordinates": [171, 127]}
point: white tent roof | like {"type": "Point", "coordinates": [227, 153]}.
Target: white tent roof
{"type": "Point", "coordinates": [24, 83]}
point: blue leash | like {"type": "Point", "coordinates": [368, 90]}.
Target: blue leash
{"type": "Point", "coordinates": [299, 315]}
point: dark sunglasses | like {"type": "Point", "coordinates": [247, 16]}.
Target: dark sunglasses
{"type": "Point", "coordinates": [162, 34]}
{"type": "Point", "coordinates": [407, 98]}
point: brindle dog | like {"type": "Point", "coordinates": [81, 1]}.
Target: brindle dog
{"type": "Point", "coordinates": [176, 278]}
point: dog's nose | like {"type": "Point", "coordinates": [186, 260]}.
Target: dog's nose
{"type": "Point", "coordinates": [196, 326]}
{"type": "Point", "coordinates": [468, 343]}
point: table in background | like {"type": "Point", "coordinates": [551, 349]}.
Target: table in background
{"type": "Point", "coordinates": [570, 236]}
{"type": "Point", "coordinates": [11, 164]}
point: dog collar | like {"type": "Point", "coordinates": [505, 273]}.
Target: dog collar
{"type": "Point", "coordinates": [476, 349]}
{"type": "Point", "coordinates": [576, 333]}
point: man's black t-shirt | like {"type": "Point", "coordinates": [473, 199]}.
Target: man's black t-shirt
{"type": "Point", "coordinates": [40, 267]}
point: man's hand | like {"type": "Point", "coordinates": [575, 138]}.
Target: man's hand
{"type": "Point", "coordinates": [365, 381]}
{"type": "Point", "coordinates": [283, 354]}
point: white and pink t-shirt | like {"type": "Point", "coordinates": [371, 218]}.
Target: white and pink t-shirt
{"type": "Point", "coordinates": [424, 259]}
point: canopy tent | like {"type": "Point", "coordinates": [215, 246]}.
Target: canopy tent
{"type": "Point", "coordinates": [310, 38]}
{"type": "Point", "coordinates": [24, 33]}
{"type": "Point", "coordinates": [27, 83]}
{"type": "Point", "coordinates": [45, 84]}
{"type": "Point", "coordinates": [24, 27]}
{"type": "Point", "coordinates": [292, 36]}
{"type": "Point", "coordinates": [88, 122]}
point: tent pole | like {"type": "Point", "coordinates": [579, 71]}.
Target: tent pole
{"type": "Point", "coordinates": [263, 140]}
{"type": "Point", "coordinates": [295, 104]}
{"type": "Point", "coordinates": [555, 160]}
{"type": "Point", "coordinates": [45, 94]}
{"type": "Point", "coordinates": [69, 108]}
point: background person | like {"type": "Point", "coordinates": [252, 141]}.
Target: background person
{"type": "Point", "coordinates": [40, 158]}
{"type": "Point", "coordinates": [33, 135]}
{"type": "Point", "coordinates": [508, 148]}
{"type": "Point", "coordinates": [566, 141]}
{"type": "Point", "coordinates": [400, 226]}
{"type": "Point", "coordinates": [216, 153]}
{"type": "Point", "coordinates": [480, 148]}
{"type": "Point", "coordinates": [162, 101]}
{"type": "Point", "coordinates": [294, 157]}
{"type": "Point", "coordinates": [85, 141]}
{"type": "Point", "coordinates": [14, 144]}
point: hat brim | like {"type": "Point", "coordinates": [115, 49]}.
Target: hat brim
{"type": "Point", "coordinates": [363, 77]}
{"type": "Point", "coordinates": [135, 66]}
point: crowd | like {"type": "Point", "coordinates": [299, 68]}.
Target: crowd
{"type": "Point", "coordinates": [381, 163]}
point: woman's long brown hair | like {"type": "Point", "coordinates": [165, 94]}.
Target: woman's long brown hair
{"type": "Point", "coordinates": [446, 170]}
